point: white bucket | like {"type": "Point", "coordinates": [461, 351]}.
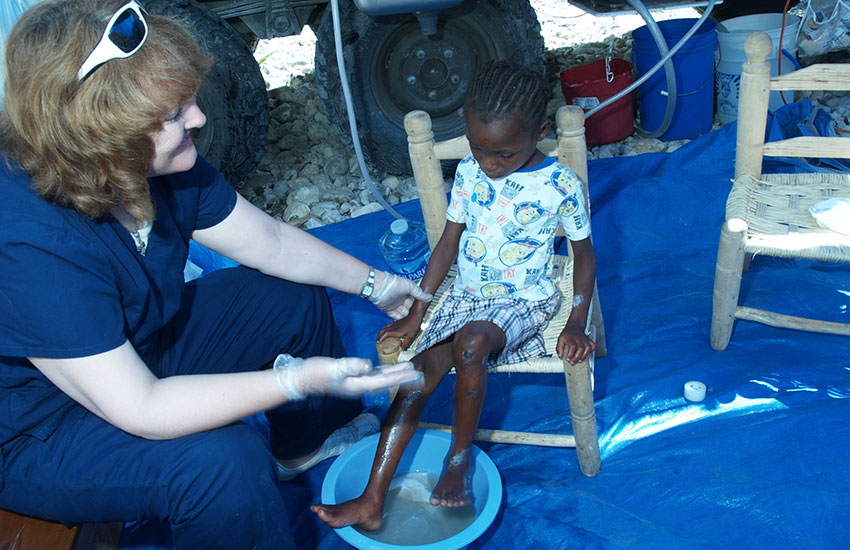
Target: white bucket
{"type": "Point", "coordinates": [730, 43]}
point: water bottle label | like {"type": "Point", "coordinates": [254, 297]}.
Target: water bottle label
{"type": "Point", "coordinates": [412, 270]}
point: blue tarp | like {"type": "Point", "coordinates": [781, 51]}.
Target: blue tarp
{"type": "Point", "coordinates": [760, 463]}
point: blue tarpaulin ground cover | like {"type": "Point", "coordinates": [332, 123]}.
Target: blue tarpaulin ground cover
{"type": "Point", "coordinates": [760, 463]}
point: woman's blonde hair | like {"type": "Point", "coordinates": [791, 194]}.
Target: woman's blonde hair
{"type": "Point", "coordinates": [88, 145]}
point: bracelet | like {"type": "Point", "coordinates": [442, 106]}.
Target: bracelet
{"type": "Point", "coordinates": [285, 367]}
{"type": "Point", "coordinates": [370, 284]}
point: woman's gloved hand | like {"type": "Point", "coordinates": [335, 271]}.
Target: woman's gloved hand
{"type": "Point", "coordinates": [345, 377]}
{"type": "Point", "coordinates": [394, 295]}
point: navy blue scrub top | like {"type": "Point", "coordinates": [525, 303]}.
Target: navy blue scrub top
{"type": "Point", "coordinates": [71, 286]}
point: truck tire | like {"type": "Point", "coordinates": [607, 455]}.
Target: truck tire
{"type": "Point", "coordinates": [233, 94]}
{"type": "Point", "coordinates": [393, 69]}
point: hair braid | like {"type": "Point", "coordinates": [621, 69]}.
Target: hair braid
{"type": "Point", "coordinates": [504, 89]}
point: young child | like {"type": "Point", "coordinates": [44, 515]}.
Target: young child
{"type": "Point", "coordinates": [507, 202]}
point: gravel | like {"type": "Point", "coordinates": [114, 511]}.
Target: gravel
{"type": "Point", "coordinates": [308, 177]}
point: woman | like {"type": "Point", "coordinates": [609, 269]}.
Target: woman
{"type": "Point", "coordinates": [121, 386]}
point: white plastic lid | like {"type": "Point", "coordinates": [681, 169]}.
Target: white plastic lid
{"type": "Point", "coordinates": [694, 391]}
{"type": "Point", "coordinates": [398, 227]}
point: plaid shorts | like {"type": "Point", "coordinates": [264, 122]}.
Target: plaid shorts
{"type": "Point", "coordinates": [522, 321]}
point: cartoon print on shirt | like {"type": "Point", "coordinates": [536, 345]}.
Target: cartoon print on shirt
{"type": "Point", "coordinates": [483, 193]}
{"type": "Point", "coordinates": [474, 249]}
{"type": "Point", "coordinates": [511, 230]}
{"type": "Point", "coordinates": [518, 251]}
{"type": "Point", "coordinates": [528, 212]}
{"type": "Point", "coordinates": [489, 274]}
{"type": "Point", "coordinates": [567, 207]}
{"type": "Point", "coordinates": [494, 290]}
{"type": "Point", "coordinates": [563, 181]}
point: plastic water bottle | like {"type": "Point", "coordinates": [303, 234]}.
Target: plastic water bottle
{"type": "Point", "coordinates": [405, 249]}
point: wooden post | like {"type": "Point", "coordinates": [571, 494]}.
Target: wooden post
{"type": "Point", "coordinates": [580, 394]}
{"type": "Point", "coordinates": [572, 147]}
{"type": "Point", "coordinates": [516, 438]}
{"type": "Point", "coordinates": [727, 281]}
{"type": "Point", "coordinates": [388, 352]}
{"type": "Point", "coordinates": [790, 321]}
{"type": "Point", "coordinates": [427, 173]}
{"type": "Point", "coordinates": [572, 152]}
{"type": "Point", "coordinates": [753, 99]}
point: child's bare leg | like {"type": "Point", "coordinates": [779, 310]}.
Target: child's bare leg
{"type": "Point", "coordinates": [472, 345]}
{"type": "Point", "coordinates": [366, 511]}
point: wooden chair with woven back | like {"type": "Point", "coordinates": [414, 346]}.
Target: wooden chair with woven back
{"type": "Point", "coordinates": [768, 214]}
{"type": "Point", "coordinates": [571, 150]}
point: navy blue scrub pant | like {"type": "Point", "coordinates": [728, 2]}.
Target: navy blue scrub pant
{"type": "Point", "coordinates": [217, 489]}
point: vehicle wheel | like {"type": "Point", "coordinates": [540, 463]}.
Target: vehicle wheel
{"type": "Point", "coordinates": [232, 96]}
{"type": "Point", "coordinates": [393, 69]}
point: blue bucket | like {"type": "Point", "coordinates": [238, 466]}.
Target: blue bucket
{"type": "Point", "coordinates": [694, 67]}
{"type": "Point", "coordinates": [348, 475]}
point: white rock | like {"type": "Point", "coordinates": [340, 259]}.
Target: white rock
{"type": "Point", "coordinates": [365, 196]}
{"type": "Point", "coordinates": [281, 190]}
{"type": "Point", "coordinates": [391, 183]}
{"type": "Point", "coordinates": [307, 194]}
{"type": "Point", "coordinates": [313, 223]}
{"type": "Point", "coordinates": [367, 209]}
{"type": "Point", "coordinates": [295, 211]}
{"type": "Point", "coordinates": [336, 166]}
{"type": "Point", "coordinates": [328, 211]}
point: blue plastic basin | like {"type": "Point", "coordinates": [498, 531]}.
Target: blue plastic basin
{"type": "Point", "coordinates": [348, 475]}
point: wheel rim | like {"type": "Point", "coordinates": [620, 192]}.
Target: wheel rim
{"type": "Point", "coordinates": [409, 71]}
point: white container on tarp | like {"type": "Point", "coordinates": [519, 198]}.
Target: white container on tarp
{"type": "Point", "coordinates": [731, 35]}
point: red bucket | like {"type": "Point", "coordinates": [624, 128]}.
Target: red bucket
{"type": "Point", "coordinates": [587, 87]}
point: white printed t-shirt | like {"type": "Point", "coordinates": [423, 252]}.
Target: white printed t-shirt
{"type": "Point", "coordinates": [506, 249]}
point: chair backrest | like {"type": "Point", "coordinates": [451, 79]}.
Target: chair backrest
{"type": "Point", "coordinates": [425, 156]}
{"type": "Point", "coordinates": [755, 88]}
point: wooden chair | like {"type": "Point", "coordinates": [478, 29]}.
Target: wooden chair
{"type": "Point", "coordinates": [769, 214]}
{"type": "Point", "coordinates": [19, 532]}
{"type": "Point", "coordinates": [570, 147]}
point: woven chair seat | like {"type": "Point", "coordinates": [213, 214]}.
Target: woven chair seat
{"type": "Point", "coordinates": [550, 363]}
{"type": "Point", "coordinates": [776, 209]}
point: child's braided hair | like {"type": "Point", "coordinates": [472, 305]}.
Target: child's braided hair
{"type": "Point", "coordinates": [504, 89]}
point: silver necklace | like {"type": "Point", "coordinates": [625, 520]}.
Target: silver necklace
{"type": "Point", "coordinates": [141, 245]}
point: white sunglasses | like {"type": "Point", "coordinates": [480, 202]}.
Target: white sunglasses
{"type": "Point", "coordinates": [124, 35]}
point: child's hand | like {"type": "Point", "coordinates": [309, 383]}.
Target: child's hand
{"type": "Point", "coordinates": [574, 345]}
{"type": "Point", "coordinates": [406, 329]}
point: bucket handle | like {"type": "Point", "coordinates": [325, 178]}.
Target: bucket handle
{"type": "Point", "coordinates": [792, 59]}
{"type": "Point", "coordinates": [665, 93]}
{"type": "Point", "coordinates": [609, 75]}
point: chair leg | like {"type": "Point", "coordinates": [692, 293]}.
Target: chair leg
{"type": "Point", "coordinates": [583, 413]}
{"type": "Point", "coordinates": [598, 324]}
{"type": "Point", "coordinates": [727, 281]}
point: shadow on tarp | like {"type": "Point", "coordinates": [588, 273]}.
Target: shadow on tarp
{"type": "Point", "coordinates": [760, 463]}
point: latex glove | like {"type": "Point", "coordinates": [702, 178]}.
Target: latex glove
{"type": "Point", "coordinates": [394, 295]}
{"type": "Point", "coordinates": [345, 377]}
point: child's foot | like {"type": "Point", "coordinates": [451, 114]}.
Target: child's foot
{"type": "Point", "coordinates": [453, 488]}
{"type": "Point", "coordinates": [360, 511]}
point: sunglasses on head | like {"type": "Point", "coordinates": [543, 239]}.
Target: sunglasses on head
{"type": "Point", "coordinates": [124, 35]}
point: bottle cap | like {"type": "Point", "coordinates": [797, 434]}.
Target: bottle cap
{"type": "Point", "coordinates": [694, 391]}
{"type": "Point", "coordinates": [398, 227]}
